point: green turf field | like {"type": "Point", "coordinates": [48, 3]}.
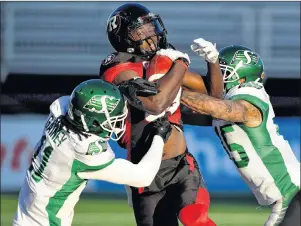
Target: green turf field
{"type": "Point", "coordinates": [103, 212]}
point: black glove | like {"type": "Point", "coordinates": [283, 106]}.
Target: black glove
{"type": "Point", "coordinates": [162, 127]}
{"type": "Point", "coordinates": [138, 87]}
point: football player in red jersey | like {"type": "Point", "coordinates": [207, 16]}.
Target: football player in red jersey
{"type": "Point", "coordinates": [140, 39]}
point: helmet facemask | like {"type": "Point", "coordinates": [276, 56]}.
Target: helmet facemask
{"type": "Point", "coordinates": [147, 30]}
{"type": "Point", "coordinates": [230, 75]}
{"type": "Point", "coordinates": [115, 125]}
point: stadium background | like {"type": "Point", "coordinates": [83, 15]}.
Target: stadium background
{"type": "Point", "coordinates": [47, 48]}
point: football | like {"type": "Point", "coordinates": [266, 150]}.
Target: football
{"type": "Point", "coordinates": [159, 66]}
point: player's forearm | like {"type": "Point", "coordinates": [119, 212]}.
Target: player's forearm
{"type": "Point", "coordinates": [194, 82]}
{"type": "Point", "coordinates": [215, 80]}
{"type": "Point", "coordinates": [169, 86]}
{"type": "Point", "coordinates": [122, 171]}
{"type": "Point", "coordinates": [221, 109]}
{"type": "Point", "coordinates": [149, 165]}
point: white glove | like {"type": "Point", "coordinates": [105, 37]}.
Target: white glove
{"type": "Point", "coordinates": [174, 55]}
{"type": "Point", "coordinates": [205, 49]}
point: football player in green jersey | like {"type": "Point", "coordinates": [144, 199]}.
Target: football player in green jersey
{"type": "Point", "coordinates": [74, 148]}
{"type": "Point", "coordinates": [244, 123]}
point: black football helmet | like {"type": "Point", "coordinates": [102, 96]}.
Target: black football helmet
{"type": "Point", "coordinates": [132, 25]}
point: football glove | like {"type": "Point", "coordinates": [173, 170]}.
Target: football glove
{"type": "Point", "coordinates": [137, 87]}
{"type": "Point", "coordinates": [205, 49]}
{"type": "Point", "coordinates": [162, 127]}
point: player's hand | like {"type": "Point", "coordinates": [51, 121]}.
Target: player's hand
{"type": "Point", "coordinates": [205, 49]}
{"type": "Point", "coordinates": [174, 55]}
{"type": "Point", "coordinates": [138, 87]}
{"type": "Point", "coordinates": [162, 127]}
{"type": "Point", "coordinates": [135, 87]}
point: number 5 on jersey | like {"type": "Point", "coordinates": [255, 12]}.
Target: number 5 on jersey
{"type": "Point", "coordinates": [235, 151]}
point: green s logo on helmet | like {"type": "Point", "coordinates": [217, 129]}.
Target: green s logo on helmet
{"type": "Point", "coordinates": [96, 103]}
{"type": "Point", "coordinates": [238, 62]}
{"type": "Point", "coordinates": [245, 56]}
{"type": "Point", "coordinates": [98, 107]}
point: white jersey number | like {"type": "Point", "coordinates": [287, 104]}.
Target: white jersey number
{"type": "Point", "coordinates": [37, 173]}
{"type": "Point", "coordinates": [235, 151]}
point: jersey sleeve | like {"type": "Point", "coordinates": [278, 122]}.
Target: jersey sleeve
{"type": "Point", "coordinates": [60, 106]}
{"type": "Point", "coordinates": [57, 108]}
{"type": "Point", "coordinates": [122, 171]}
{"type": "Point", "coordinates": [116, 63]}
{"type": "Point", "coordinates": [94, 156]}
{"type": "Point", "coordinates": [256, 96]}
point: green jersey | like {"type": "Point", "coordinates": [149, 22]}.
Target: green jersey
{"type": "Point", "coordinates": [262, 156]}
{"type": "Point", "coordinates": [51, 182]}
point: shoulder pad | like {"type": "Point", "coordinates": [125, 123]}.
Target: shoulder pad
{"type": "Point", "coordinates": [116, 58]}
{"type": "Point", "coordinates": [257, 97]}
{"type": "Point", "coordinates": [60, 106]}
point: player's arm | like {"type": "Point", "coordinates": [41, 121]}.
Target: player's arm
{"type": "Point", "coordinates": [228, 110]}
{"type": "Point", "coordinates": [215, 80]}
{"type": "Point", "coordinates": [122, 171]}
{"type": "Point", "coordinates": [142, 174]}
{"type": "Point", "coordinates": [168, 85]}
{"type": "Point", "coordinates": [214, 76]}
{"type": "Point", "coordinates": [194, 82]}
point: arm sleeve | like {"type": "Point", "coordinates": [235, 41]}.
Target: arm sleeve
{"type": "Point", "coordinates": [122, 171]}
{"type": "Point", "coordinates": [111, 73]}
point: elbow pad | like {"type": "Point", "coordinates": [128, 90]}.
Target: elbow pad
{"type": "Point", "coordinates": [135, 87]}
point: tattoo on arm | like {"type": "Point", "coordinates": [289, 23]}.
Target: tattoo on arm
{"type": "Point", "coordinates": [235, 111]}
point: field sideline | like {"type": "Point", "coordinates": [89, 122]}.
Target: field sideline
{"type": "Point", "coordinates": [104, 212]}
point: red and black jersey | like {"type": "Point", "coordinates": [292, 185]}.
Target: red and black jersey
{"type": "Point", "coordinates": [137, 135]}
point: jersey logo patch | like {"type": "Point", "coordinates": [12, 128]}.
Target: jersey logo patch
{"type": "Point", "coordinates": [246, 56]}
{"type": "Point", "coordinates": [109, 59]}
{"type": "Point", "coordinates": [100, 103]}
{"type": "Point", "coordinates": [97, 147]}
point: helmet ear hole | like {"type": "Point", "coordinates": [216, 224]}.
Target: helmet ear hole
{"type": "Point", "coordinates": [262, 75]}
{"type": "Point", "coordinates": [96, 123]}
{"type": "Point", "coordinates": [242, 80]}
